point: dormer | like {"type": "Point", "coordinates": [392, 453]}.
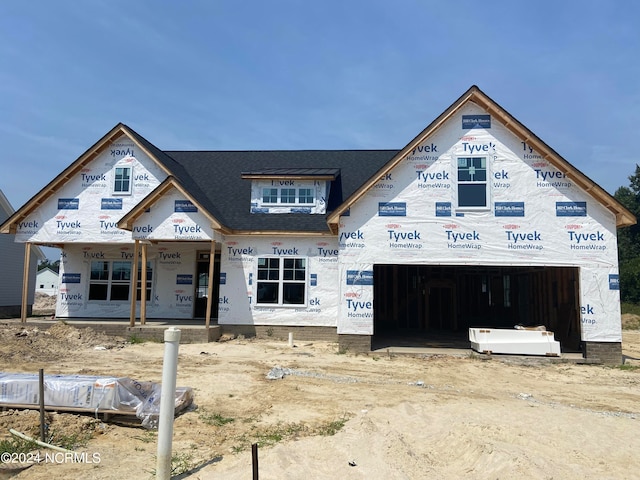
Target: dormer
{"type": "Point", "coordinates": [290, 190]}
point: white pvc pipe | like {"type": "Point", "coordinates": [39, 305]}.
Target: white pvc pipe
{"type": "Point", "coordinates": [167, 402]}
{"type": "Point", "coordinates": [38, 442]}
{"type": "Point", "coordinates": [291, 339]}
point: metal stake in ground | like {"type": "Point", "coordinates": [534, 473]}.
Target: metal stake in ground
{"type": "Point", "coordinates": [167, 402]}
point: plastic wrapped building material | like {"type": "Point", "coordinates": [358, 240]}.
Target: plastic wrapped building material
{"type": "Point", "coordinates": [91, 394]}
{"type": "Point", "coordinates": [517, 341]}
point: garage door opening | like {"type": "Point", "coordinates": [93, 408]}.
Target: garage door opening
{"type": "Point", "coordinates": [436, 305]}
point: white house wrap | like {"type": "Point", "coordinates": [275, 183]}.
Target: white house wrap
{"type": "Point", "coordinates": [476, 222]}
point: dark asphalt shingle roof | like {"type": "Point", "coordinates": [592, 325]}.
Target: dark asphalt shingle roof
{"type": "Point", "coordinates": [214, 180]}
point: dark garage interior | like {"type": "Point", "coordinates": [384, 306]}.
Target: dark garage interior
{"type": "Point", "coordinates": [426, 305]}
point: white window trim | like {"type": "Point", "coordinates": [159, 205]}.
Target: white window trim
{"type": "Point", "coordinates": [281, 281]}
{"type": "Point", "coordinates": [113, 182]}
{"type": "Point", "coordinates": [109, 282]}
{"type": "Point", "coordinates": [295, 203]}
{"type": "Point", "coordinates": [132, 290]}
{"type": "Point", "coordinates": [487, 183]}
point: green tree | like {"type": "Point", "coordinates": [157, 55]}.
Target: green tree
{"type": "Point", "coordinates": [629, 241]}
{"type": "Point", "coordinates": [55, 266]}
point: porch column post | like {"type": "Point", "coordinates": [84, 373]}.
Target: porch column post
{"type": "Point", "coordinates": [132, 314]}
{"type": "Point", "coordinates": [25, 282]}
{"type": "Point", "coordinates": [143, 286]}
{"type": "Point", "coordinates": [212, 270]}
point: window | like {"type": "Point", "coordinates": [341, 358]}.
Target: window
{"type": "Point", "coordinates": [122, 180]}
{"type": "Point", "coordinates": [148, 282]}
{"type": "Point", "coordinates": [281, 281]}
{"type": "Point", "coordinates": [109, 280]}
{"type": "Point", "coordinates": [472, 182]}
{"type": "Point", "coordinates": [288, 195]}
{"type": "Point", "coordinates": [305, 195]}
{"type": "Point", "coordinates": [269, 195]}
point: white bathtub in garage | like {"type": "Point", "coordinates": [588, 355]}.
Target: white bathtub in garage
{"type": "Point", "coordinates": [519, 342]}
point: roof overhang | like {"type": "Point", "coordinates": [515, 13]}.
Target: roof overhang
{"type": "Point", "coordinates": [10, 225]}
{"type": "Point", "coordinates": [292, 174]}
{"type": "Point", "coordinates": [623, 216]}
{"type": "Point", "coordinates": [169, 184]}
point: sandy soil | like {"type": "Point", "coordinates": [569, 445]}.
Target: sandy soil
{"type": "Point", "coordinates": [345, 416]}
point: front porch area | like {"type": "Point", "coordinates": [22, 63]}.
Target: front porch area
{"type": "Point", "coordinates": [192, 331]}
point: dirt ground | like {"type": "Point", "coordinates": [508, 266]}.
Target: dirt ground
{"type": "Point", "coordinates": [348, 416]}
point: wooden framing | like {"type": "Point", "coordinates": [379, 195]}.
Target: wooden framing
{"type": "Point", "coordinates": [25, 282]}
{"type": "Point", "coordinates": [212, 269]}
{"type": "Point", "coordinates": [136, 253]}
{"type": "Point", "coordinates": [10, 225]}
{"type": "Point", "coordinates": [623, 216]}
{"type": "Point", "coordinates": [143, 285]}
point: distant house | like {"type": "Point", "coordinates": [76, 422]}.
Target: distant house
{"type": "Point", "coordinates": [475, 222]}
{"type": "Point", "coordinates": [47, 282]}
{"type": "Point", "coordinates": [12, 256]}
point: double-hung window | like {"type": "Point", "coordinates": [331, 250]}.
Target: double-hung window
{"type": "Point", "coordinates": [110, 280]}
{"type": "Point", "coordinates": [122, 180]}
{"type": "Point", "coordinates": [281, 281]}
{"type": "Point", "coordinates": [472, 182]}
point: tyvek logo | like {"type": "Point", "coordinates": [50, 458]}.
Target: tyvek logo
{"type": "Point", "coordinates": [548, 178]}
{"type": "Point", "coordinates": [67, 227]}
{"type": "Point", "coordinates": [142, 231]}
{"type": "Point", "coordinates": [71, 298]}
{"type": "Point", "coordinates": [501, 179]}
{"type": "Point", "coordinates": [588, 313]}
{"type": "Point", "coordinates": [120, 150]}
{"type": "Point", "coordinates": [424, 153]}
{"type": "Point", "coordinates": [475, 149]}
{"type": "Point", "coordinates": [529, 152]}
{"type": "Point", "coordinates": [404, 240]}
{"type": "Point", "coordinates": [351, 239]}
{"type": "Point", "coordinates": [288, 251]}
{"type": "Point", "coordinates": [359, 308]}
{"type": "Point", "coordinates": [224, 304]}
{"type": "Point", "coordinates": [28, 228]}
{"type": "Point", "coordinates": [187, 231]}
{"type": "Point", "coordinates": [236, 251]}
{"type": "Point", "coordinates": [89, 179]}
{"type": "Point", "coordinates": [183, 299]}
{"type": "Point", "coordinates": [463, 240]}
{"type": "Point", "coordinates": [109, 227]}
{"type": "Point", "coordinates": [385, 182]}
{"type": "Point", "coordinates": [433, 180]}
{"type": "Point", "coordinates": [240, 254]}
{"type": "Point", "coordinates": [595, 241]}
{"type": "Point", "coordinates": [524, 240]}
{"type": "Point", "coordinates": [327, 252]}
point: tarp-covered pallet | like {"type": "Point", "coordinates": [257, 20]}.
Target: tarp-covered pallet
{"type": "Point", "coordinates": [90, 394]}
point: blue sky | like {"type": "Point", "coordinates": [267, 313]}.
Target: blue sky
{"type": "Point", "coordinates": [343, 74]}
